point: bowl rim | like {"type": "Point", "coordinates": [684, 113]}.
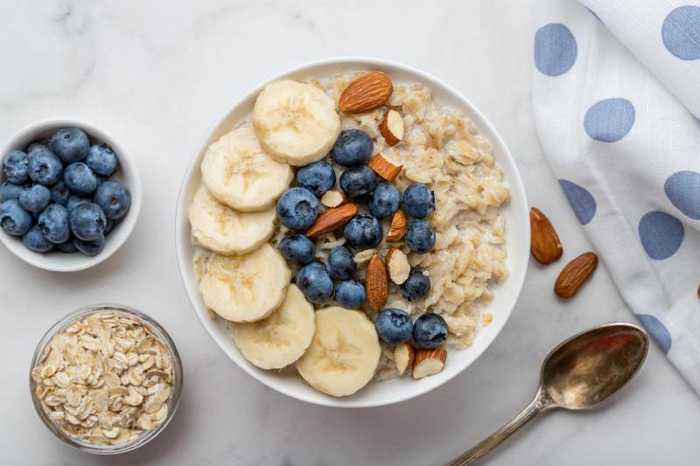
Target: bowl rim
{"type": "Point", "coordinates": [175, 397]}
{"type": "Point", "coordinates": [516, 186]}
{"type": "Point", "coordinates": [127, 224]}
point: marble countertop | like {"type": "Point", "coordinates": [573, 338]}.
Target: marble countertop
{"type": "Point", "coordinates": [158, 75]}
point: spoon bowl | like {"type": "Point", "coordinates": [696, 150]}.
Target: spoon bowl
{"type": "Point", "coordinates": [589, 367]}
{"type": "Point", "coordinates": [578, 374]}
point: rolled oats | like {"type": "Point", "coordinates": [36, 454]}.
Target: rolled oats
{"type": "Point", "coordinates": [104, 379]}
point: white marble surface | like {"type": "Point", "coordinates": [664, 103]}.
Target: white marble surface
{"type": "Point", "coordinates": [158, 75]}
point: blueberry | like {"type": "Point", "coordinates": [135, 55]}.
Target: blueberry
{"type": "Point", "coordinates": [70, 144]}
{"type": "Point", "coordinates": [358, 181]}
{"type": "Point", "coordinates": [313, 280]}
{"type": "Point", "coordinates": [114, 198]}
{"type": "Point", "coordinates": [420, 236]}
{"type": "Point", "coordinates": [90, 248]}
{"type": "Point", "coordinates": [418, 200]}
{"type": "Point", "coordinates": [363, 231]}
{"type": "Point", "coordinates": [341, 265]}
{"type": "Point", "coordinates": [319, 177]}
{"type": "Point", "coordinates": [44, 167]}
{"type": "Point", "coordinates": [87, 221]}
{"type": "Point", "coordinates": [350, 294]}
{"type": "Point", "coordinates": [35, 198]}
{"type": "Point", "coordinates": [53, 222]}
{"type": "Point", "coordinates": [34, 240]}
{"type": "Point", "coordinates": [298, 249]}
{"type": "Point", "coordinates": [74, 201]}
{"type": "Point", "coordinates": [15, 166]}
{"type": "Point", "coordinates": [9, 191]}
{"type": "Point", "coordinates": [36, 145]}
{"type": "Point", "coordinates": [67, 247]}
{"type": "Point", "coordinates": [110, 226]}
{"type": "Point", "coordinates": [60, 193]}
{"type": "Point", "coordinates": [353, 147]}
{"type": "Point", "coordinates": [394, 326]}
{"type": "Point", "coordinates": [429, 331]}
{"type": "Point", "coordinates": [102, 160]}
{"type": "Point", "coordinates": [80, 179]}
{"type": "Point", "coordinates": [14, 219]}
{"type": "Point", "coordinates": [416, 287]}
{"type": "Point", "coordinates": [298, 208]}
{"type": "Point", "coordinates": [386, 200]}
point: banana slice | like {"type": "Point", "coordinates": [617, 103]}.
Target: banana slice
{"type": "Point", "coordinates": [226, 231]}
{"type": "Point", "coordinates": [245, 288]}
{"type": "Point", "coordinates": [344, 353]}
{"type": "Point", "coordinates": [240, 174]}
{"type": "Point", "coordinates": [296, 122]}
{"type": "Point", "coordinates": [282, 338]}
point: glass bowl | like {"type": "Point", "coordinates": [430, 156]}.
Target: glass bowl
{"type": "Point", "coordinates": [172, 402]}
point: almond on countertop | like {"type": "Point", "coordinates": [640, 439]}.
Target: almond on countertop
{"type": "Point", "coordinates": [398, 226]}
{"type": "Point", "coordinates": [366, 92]}
{"type": "Point", "coordinates": [332, 219]}
{"type": "Point", "coordinates": [574, 274]}
{"type": "Point", "coordinates": [332, 198]}
{"type": "Point", "coordinates": [377, 283]}
{"type": "Point", "coordinates": [398, 266]}
{"type": "Point", "coordinates": [392, 127]}
{"type": "Point", "coordinates": [428, 362]}
{"type": "Point", "coordinates": [403, 357]}
{"type": "Point", "coordinates": [384, 168]}
{"type": "Point", "coordinates": [544, 241]}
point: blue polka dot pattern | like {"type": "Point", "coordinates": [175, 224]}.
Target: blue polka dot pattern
{"type": "Point", "coordinates": [683, 190]}
{"type": "Point", "coordinates": [555, 49]}
{"type": "Point", "coordinates": [657, 330]}
{"type": "Point", "coordinates": [681, 32]}
{"type": "Point", "coordinates": [661, 234]}
{"type": "Point", "coordinates": [609, 120]}
{"type": "Point", "coordinates": [580, 199]}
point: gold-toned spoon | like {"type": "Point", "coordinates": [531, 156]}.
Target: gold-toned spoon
{"type": "Point", "coordinates": [578, 374]}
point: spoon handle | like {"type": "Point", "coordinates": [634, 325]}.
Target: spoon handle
{"type": "Point", "coordinates": [536, 407]}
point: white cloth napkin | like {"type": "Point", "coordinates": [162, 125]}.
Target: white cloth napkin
{"type": "Point", "coordinates": [616, 100]}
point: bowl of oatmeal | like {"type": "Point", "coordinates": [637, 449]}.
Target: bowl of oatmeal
{"type": "Point", "coordinates": [354, 233]}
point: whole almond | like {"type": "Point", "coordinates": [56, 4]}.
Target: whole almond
{"type": "Point", "coordinates": [382, 167]}
{"type": "Point", "coordinates": [398, 226]}
{"type": "Point", "coordinates": [366, 92]}
{"type": "Point", "coordinates": [544, 241]}
{"type": "Point", "coordinates": [574, 274]}
{"type": "Point", "coordinates": [332, 219]}
{"type": "Point", "coordinates": [377, 283]}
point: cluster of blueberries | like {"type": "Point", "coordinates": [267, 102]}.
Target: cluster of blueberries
{"type": "Point", "coordinates": [57, 194]}
{"type": "Point", "coordinates": [298, 209]}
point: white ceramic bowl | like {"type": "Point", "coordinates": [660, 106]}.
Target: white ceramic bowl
{"type": "Point", "coordinates": [506, 294]}
{"type": "Point", "coordinates": [56, 261]}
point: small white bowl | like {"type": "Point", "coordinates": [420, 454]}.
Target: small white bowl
{"type": "Point", "coordinates": [505, 295]}
{"type": "Point", "coordinates": [126, 173]}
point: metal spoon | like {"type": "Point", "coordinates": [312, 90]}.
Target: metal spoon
{"type": "Point", "coordinates": [578, 374]}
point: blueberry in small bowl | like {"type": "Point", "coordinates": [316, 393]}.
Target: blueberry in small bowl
{"type": "Point", "coordinates": [51, 168]}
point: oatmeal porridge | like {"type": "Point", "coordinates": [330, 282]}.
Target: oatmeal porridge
{"type": "Point", "coordinates": [350, 228]}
